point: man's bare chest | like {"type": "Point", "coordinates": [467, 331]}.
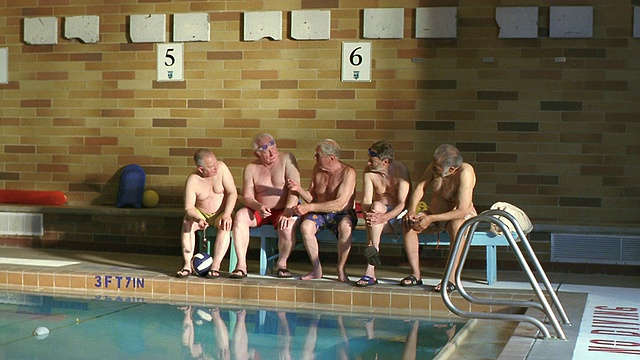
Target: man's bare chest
{"type": "Point", "coordinates": [445, 188]}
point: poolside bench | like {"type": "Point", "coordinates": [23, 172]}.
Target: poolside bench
{"type": "Point", "coordinates": [269, 245]}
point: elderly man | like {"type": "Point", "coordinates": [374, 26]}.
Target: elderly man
{"type": "Point", "coordinates": [387, 184]}
{"type": "Point", "coordinates": [209, 198]}
{"type": "Point", "coordinates": [452, 182]}
{"type": "Point", "coordinates": [267, 200]}
{"type": "Point", "coordinates": [329, 204]}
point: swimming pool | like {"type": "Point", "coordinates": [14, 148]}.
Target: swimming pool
{"type": "Point", "coordinates": [81, 328]}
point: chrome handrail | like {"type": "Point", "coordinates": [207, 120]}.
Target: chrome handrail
{"type": "Point", "coordinates": [468, 229]}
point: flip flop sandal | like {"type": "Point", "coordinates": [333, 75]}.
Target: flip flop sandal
{"type": "Point", "coordinates": [410, 281]}
{"type": "Point", "coordinates": [183, 273]}
{"type": "Point", "coordinates": [213, 274]}
{"type": "Point", "coordinates": [450, 287]}
{"type": "Point", "coordinates": [372, 256]}
{"type": "Point", "coordinates": [238, 274]}
{"type": "Point", "coordinates": [366, 281]}
{"type": "Point", "coordinates": [284, 273]}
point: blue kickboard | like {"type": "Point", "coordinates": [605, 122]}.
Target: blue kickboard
{"type": "Point", "coordinates": [131, 187]}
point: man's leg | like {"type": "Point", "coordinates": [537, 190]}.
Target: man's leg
{"type": "Point", "coordinates": [286, 242]}
{"type": "Point", "coordinates": [243, 220]}
{"type": "Point", "coordinates": [188, 241]}
{"type": "Point", "coordinates": [345, 228]}
{"type": "Point", "coordinates": [220, 248]}
{"type": "Point", "coordinates": [309, 230]}
{"type": "Point", "coordinates": [452, 230]}
{"type": "Point", "coordinates": [411, 248]}
{"type": "Point", "coordinates": [373, 237]}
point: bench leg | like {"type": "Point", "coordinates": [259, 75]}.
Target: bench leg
{"type": "Point", "coordinates": [263, 255]}
{"type": "Point", "coordinates": [492, 265]}
{"type": "Point", "coordinates": [233, 257]}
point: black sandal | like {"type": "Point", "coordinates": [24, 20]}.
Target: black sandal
{"type": "Point", "coordinates": [410, 281]}
{"type": "Point", "coordinates": [372, 256]}
{"type": "Point", "coordinates": [238, 274]}
{"type": "Point", "coordinates": [213, 274]}
{"type": "Point", "coordinates": [183, 273]}
{"type": "Point", "coordinates": [450, 287]}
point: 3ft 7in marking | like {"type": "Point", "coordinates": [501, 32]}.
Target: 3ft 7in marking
{"type": "Point", "coordinates": [119, 282]}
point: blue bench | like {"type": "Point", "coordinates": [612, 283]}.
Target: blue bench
{"type": "Point", "coordinates": [269, 245]}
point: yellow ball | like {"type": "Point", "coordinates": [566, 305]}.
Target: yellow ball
{"type": "Point", "coordinates": [150, 198]}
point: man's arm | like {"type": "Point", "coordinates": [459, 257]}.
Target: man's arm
{"type": "Point", "coordinates": [291, 172]}
{"type": "Point", "coordinates": [231, 196]}
{"type": "Point", "coordinates": [404, 188]}
{"type": "Point", "coordinates": [248, 190]}
{"type": "Point", "coordinates": [418, 192]}
{"type": "Point", "coordinates": [190, 200]}
{"type": "Point", "coordinates": [296, 187]}
{"type": "Point", "coordinates": [367, 190]}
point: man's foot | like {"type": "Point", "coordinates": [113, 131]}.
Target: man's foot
{"type": "Point", "coordinates": [183, 273]}
{"type": "Point", "coordinates": [213, 274]}
{"type": "Point", "coordinates": [450, 287]}
{"type": "Point", "coordinates": [342, 276]}
{"type": "Point", "coordinates": [366, 281]}
{"type": "Point", "coordinates": [312, 275]}
{"type": "Point", "coordinates": [283, 273]}
{"type": "Point", "coordinates": [372, 256]}
{"type": "Point", "coordinates": [238, 274]}
{"type": "Point", "coordinates": [410, 281]}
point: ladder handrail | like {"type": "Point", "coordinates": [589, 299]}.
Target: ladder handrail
{"type": "Point", "coordinates": [490, 216]}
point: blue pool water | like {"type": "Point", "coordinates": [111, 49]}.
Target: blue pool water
{"type": "Point", "coordinates": [130, 328]}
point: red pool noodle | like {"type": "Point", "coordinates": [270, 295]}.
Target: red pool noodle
{"type": "Point", "coordinates": [34, 197]}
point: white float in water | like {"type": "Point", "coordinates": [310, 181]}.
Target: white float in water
{"type": "Point", "coordinates": [41, 332]}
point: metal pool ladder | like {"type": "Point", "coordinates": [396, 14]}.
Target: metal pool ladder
{"type": "Point", "coordinates": [491, 216]}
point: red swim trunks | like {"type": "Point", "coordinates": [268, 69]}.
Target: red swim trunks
{"type": "Point", "coordinates": [273, 219]}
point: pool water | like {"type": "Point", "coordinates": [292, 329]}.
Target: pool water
{"type": "Point", "coordinates": [131, 328]}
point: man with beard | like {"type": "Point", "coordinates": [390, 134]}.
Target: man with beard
{"type": "Point", "coordinates": [452, 182]}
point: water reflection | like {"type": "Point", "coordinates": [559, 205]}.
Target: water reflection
{"type": "Point", "coordinates": [81, 329]}
{"type": "Point", "coordinates": [263, 334]}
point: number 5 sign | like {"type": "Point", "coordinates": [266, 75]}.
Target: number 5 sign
{"type": "Point", "coordinates": [356, 61]}
{"type": "Point", "coordinates": [170, 62]}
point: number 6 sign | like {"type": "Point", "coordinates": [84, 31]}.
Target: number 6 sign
{"type": "Point", "coordinates": [170, 62]}
{"type": "Point", "coordinates": [356, 61]}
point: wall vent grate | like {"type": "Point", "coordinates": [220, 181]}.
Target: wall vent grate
{"type": "Point", "coordinates": [596, 249]}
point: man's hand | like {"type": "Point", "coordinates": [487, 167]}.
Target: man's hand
{"type": "Point", "coordinates": [301, 209]}
{"type": "Point", "coordinates": [374, 218]}
{"type": "Point", "coordinates": [420, 222]}
{"type": "Point", "coordinates": [285, 222]}
{"type": "Point", "coordinates": [225, 222]}
{"type": "Point", "coordinates": [408, 219]}
{"type": "Point", "coordinates": [264, 211]}
{"type": "Point", "coordinates": [202, 224]}
{"type": "Point", "coordinates": [293, 186]}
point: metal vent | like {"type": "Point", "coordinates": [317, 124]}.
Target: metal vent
{"type": "Point", "coordinates": [26, 224]}
{"type": "Point", "coordinates": [598, 249]}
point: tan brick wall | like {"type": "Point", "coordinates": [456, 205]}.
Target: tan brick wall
{"type": "Point", "coordinates": [558, 139]}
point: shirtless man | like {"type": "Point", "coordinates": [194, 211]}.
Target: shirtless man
{"type": "Point", "coordinates": [386, 187]}
{"type": "Point", "coordinates": [329, 204]}
{"type": "Point", "coordinates": [209, 198]}
{"type": "Point", "coordinates": [267, 199]}
{"type": "Point", "coordinates": [452, 182]}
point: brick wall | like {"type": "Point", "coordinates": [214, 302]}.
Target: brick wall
{"type": "Point", "coordinates": [558, 139]}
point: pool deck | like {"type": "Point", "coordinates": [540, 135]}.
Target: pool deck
{"type": "Point", "coordinates": [152, 278]}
